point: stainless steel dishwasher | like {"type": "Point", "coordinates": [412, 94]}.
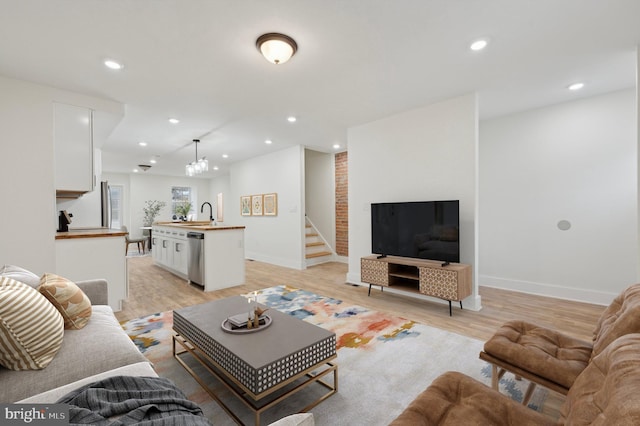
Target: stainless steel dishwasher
{"type": "Point", "coordinates": [195, 268]}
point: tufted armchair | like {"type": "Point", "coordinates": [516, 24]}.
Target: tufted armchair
{"type": "Point", "coordinates": [553, 359]}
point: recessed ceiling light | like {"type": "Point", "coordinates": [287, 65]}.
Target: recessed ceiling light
{"type": "Point", "coordinates": [142, 143]}
{"type": "Point", "coordinates": [268, 142]}
{"type": "Point", "coordinates": [174, 121]}
{"type": "Point", "coordinates": [575, 86]}
{"type": "Point", "coordinates": [135, 170]}
{"type": "Point", "coordinates": [215, 167]}
{"type": "Point", "coordinates": [109, 63]}
{"type": "Point", "coordinates": [291, 119]}
{"type": "Point", "coordinates": [153, 161]}
{"type": "Point", "coordinates": [225, 156]}
{"type": "Point", "coordinates": [336, 146]}
{"type": "Point", "coordinates": [479, 44]}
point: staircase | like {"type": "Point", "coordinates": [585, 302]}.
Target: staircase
{"type": "Point", "coordinates": [316, 250]}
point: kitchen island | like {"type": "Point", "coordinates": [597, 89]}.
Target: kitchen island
{"type": "Point", "coordinates": [89, 253]}
{"type": "Point", "coordinates": [220, 252]}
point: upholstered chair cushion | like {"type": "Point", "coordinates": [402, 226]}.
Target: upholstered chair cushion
{"type": "Point", "coordinates": [541, 351]}
{"type": "Point", "coordinates": [454, 399]}
{"type": "Point", "coordinates": [31, 329]}
{"type": "Point", "coordinates": [621, 317]}
{"type": "Point", "coordinates": [69, 300]}
{"type": "Point", "coordinates": [606, 392]}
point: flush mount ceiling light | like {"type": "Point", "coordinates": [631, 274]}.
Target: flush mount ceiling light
{"type": "Point", "coordinates": [276, 48]}
{"type": "Point", "coordinates": [144, 167]}
{"type": "Point", "coordinates": [198, 166]}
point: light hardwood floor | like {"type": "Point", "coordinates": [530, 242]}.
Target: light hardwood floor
{"type": "Point", "coordinates": [152, 289]}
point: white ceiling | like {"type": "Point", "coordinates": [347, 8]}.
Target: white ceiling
{"type": "Point", "coordinates": [358, 61]}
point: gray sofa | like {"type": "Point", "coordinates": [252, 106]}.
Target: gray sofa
{"type": "Point", "coordinates": [100, 349]}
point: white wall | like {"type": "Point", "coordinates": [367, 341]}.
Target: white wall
{"type": "Point", "coordinates": [420, 155]}
{"type": "Point", "coordinates": [320, 193]}
{"type": "Point", "coordinates": [28, 217]}
{"type": "Point", "coordinates": [575, 161]}
{"type": "Point", "coordinates": [273, 239]}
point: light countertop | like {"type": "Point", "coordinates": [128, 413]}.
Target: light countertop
{"type": "Point", "coordinates": [90, 233]}
{"type": "Point", "coordinates": [198, 226]}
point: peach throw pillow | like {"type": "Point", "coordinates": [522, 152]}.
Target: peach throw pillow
{"type": "Point", "coordinates": [68, 299]}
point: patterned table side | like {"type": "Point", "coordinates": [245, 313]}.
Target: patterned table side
{"type": "Point", "coordinates": [257, 380]}
{"type": "Point", "coordinates": [287, 367]}
{"type": "Point", "coordinates": [439, 283]}
{"type": "Point", "coordinates": [227, 360]}
{"type": "Point", "coordinates": [374, 272]}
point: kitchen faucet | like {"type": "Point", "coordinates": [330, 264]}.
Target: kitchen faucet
{"type": "Point", "coordinates": [210, 210]}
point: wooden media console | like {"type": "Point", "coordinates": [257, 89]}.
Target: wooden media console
{"type": "Point", "coordinates": [451, 282]}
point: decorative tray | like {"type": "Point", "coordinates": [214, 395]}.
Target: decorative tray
{"type": "Point", "coordinates": [226, 326]}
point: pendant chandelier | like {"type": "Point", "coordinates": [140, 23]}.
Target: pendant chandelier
{"type": "Point", "coordinates": [198, 166]}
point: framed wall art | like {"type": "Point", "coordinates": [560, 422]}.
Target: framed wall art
{"type": "Point", "coordinates": [256, 205]}
{"type": "Point", "coordinates": [245, 205]}
{"type": "Point", "coordinates": [270, 204]}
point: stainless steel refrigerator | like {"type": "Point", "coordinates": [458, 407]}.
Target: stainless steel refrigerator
{"type": "Point", "coordinates": [105, 198]}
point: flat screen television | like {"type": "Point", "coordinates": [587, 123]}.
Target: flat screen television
{"type": "Point", "coordinates": [419, 229]}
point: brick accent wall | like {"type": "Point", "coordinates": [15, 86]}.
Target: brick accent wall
{"type": "Point", "coordinates": [342, 204]}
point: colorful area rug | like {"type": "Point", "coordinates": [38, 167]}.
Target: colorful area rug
{"type": "Point", "coordinates": [384, 361]}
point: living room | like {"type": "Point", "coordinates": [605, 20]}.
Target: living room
{"type": "Point", "coordinates": [518, 175]}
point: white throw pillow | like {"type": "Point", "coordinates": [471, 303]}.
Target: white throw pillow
{"type": "Point", "coordinates": [20, 274]}
{"type": "Point", "coordinates": [300, 419]}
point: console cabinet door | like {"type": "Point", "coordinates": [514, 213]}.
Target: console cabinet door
{"type": "Point", "coordinates": [73, 148]}
{"type": "Point", "coordinates": [374, 272]}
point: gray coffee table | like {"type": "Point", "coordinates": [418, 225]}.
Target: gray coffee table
{"type": "Point", "coordinates": [286, 357]}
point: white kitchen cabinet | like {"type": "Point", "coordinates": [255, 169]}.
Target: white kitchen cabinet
{"type": "Point", "coordinates": [73, 150]}
{"type": "Point", "coordinates": [95, 257]}
{"type": "Point", "coordinates": [169, 249]}
{"type": "Point", "coordinates": [180, 255]}
{"type": "Point", "coordinates": [223, 252]}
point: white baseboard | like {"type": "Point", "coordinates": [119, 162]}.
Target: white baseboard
{"type": "Point", "coordinates": [549, 290]}
{"type": "Point", "coordinates": [287, 263]}
{"type": "Point", "coordinates": [341, 259]}
{"type": "Point", "coordinates": [319, 260]}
